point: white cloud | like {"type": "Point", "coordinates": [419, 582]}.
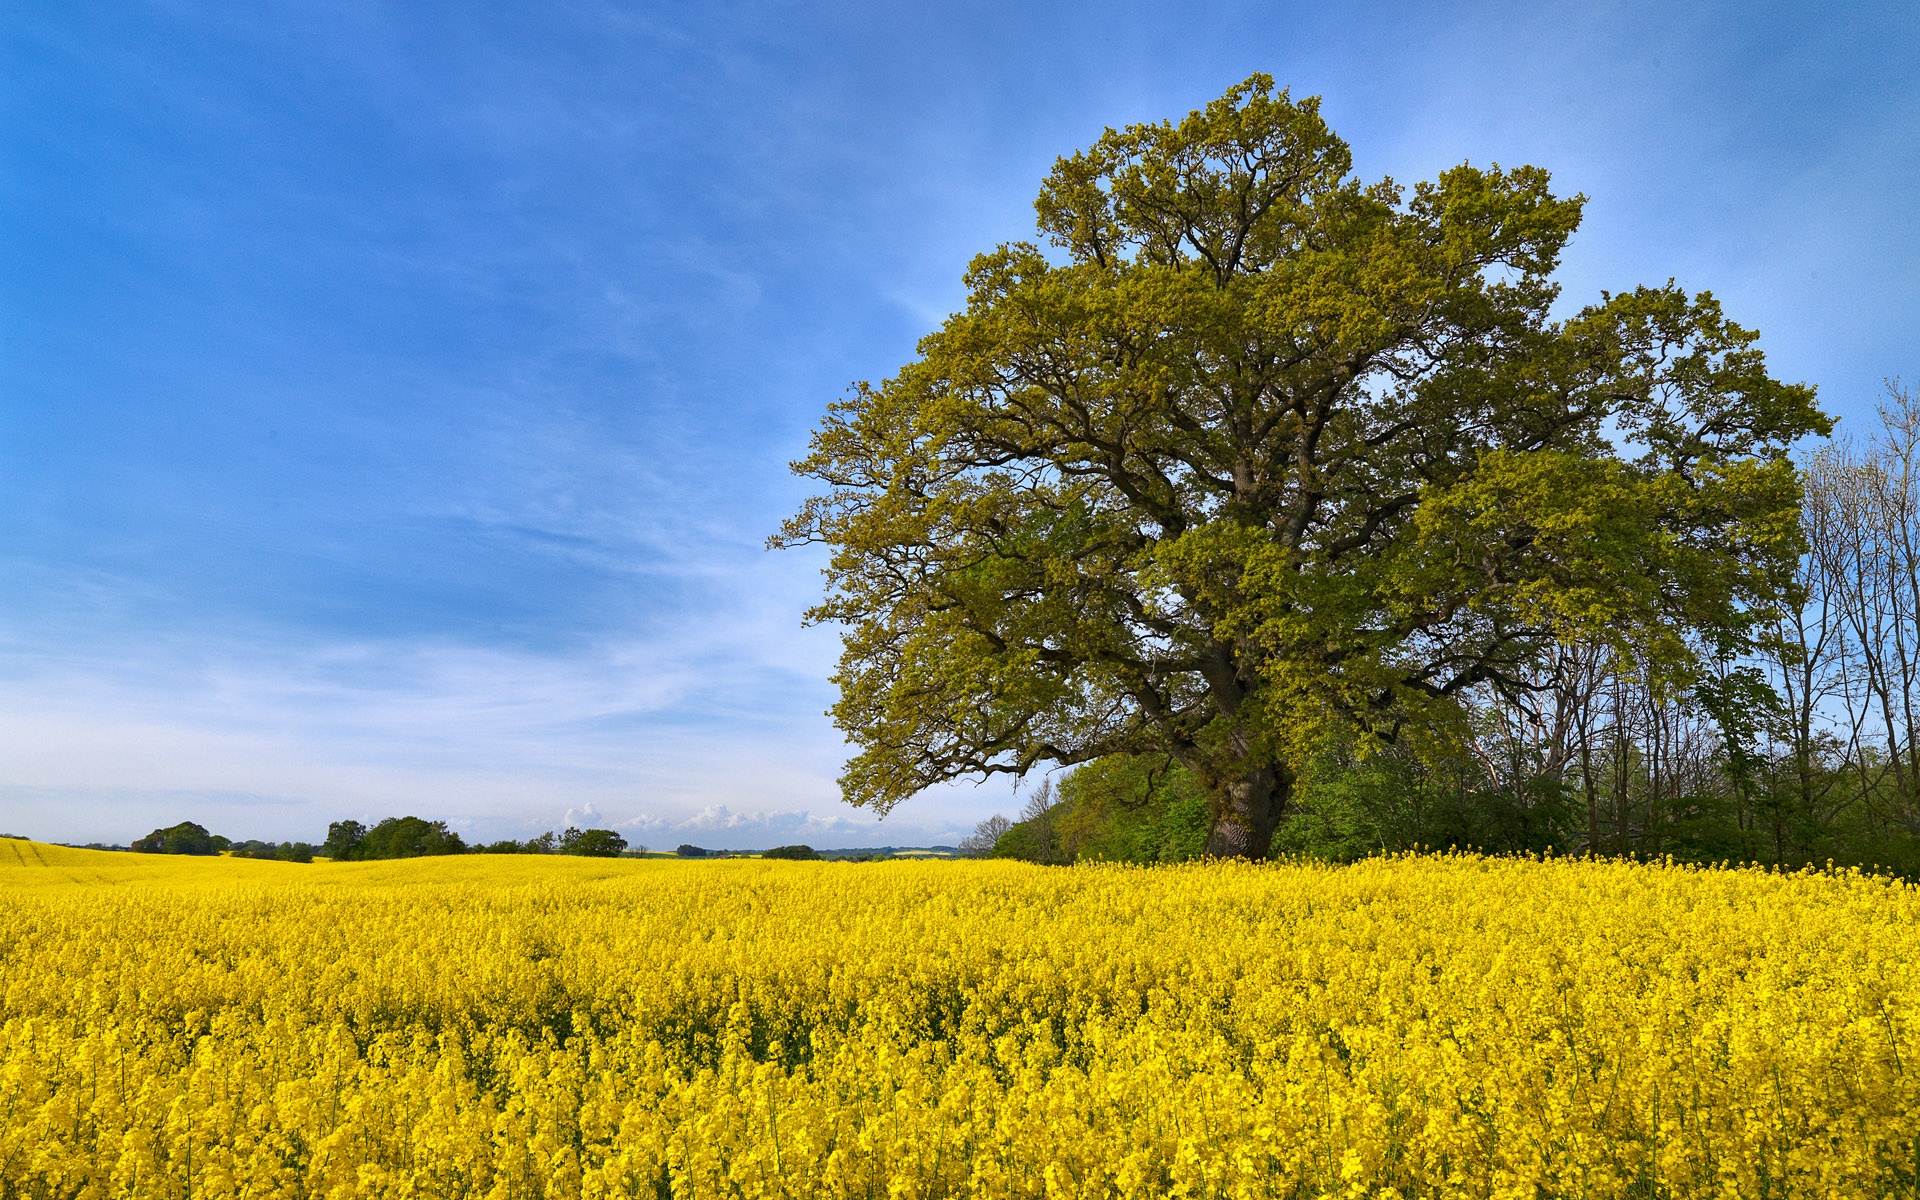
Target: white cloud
{"type": "Point", "coordinates": [584, 817]}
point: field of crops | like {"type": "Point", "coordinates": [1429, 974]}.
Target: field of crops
{"type": "Point", "coordinates": [537, 1026]}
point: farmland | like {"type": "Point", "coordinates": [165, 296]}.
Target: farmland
{"type": "Point", "coordinates": [545, 1026]}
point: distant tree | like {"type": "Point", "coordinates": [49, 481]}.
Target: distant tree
{"type": "Point", "coordinates": [298, 852]}
{"type": "Point", "coordinates": [546, 843]}
{"type": "Point", "coordinates": [592, 843]}
{"type": "Point", "coordinates": [184, 838]}
{"type": "Point", "coordinates": [343, 840]}
{"type": "Point", "coordinates": [795, 852]}
{"type": "Point", "coordinates": [985, 836]}
{"type": "Point", "coordinates": [409, 837]}
{"type": "Point", "coordinates": [686, 851]}
{"type": "Point", "coordinates": [1260, 453]}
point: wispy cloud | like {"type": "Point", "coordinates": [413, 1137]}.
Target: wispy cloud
{"type": "Point", "coordinates": [707, 722]}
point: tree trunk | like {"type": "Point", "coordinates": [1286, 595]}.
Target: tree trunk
{"type": "Point", "coordinates": [1251, 811]}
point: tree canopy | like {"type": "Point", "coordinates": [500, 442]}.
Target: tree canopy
{"type": "Point", "coordinates": [801, 853]}
{"type": "Point", "coordinates": [395, 837]}
{"type": "Point", "coordinates": [187, 837]}
{"type": "Point", "coordinates": [1251, 449]}
{"type": "Point", "coordinates": [592, 843]}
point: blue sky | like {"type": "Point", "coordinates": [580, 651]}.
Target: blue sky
{"type": "Point", "coordinates": [394, 398]}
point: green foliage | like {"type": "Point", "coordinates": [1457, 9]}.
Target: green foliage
{"type": "Point", "coordinates": [546, 843]}
{"type": "Point", "coordinates": [298, 852]}
{"type": "Point", "coordinates": [592, 843]}
{"type": "Point", "coordinates": [395, 837]}
{"type": "Point", "coordinates": [1740, 807]}
{"type": "Point", "coordinates": [1025, 840]}
{"type": "Point", "coordinates": [1134, 808]}
{"type": "Point", "coordinates": [589, 843]}
{"type": "Point", "coordinates": [1124, 808]}
{"type": "Point", "coordinates": [1391, 801]}
{"type": "Point", "coordinates": [184, 838]}
{"type": "Point", "coordinates": [1258, 454]}
{"type": "Point", "coordinates": [688, 851]}
{"type": "Point", "coordinates": [343, 840]}
{"type": "Point", "coordinates": [803, 853]}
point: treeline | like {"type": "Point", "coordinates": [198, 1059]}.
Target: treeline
{"type": "Point", "coordinates": [1804, 752]}
{"type": "Point", "coordinates": [395, 837]}
{"type": "Point", "coordinates": [190, 838]}
{"type": "Point", "coordinates": [414, 837]}
{"type": "Point", "coordinates": [801, 853]}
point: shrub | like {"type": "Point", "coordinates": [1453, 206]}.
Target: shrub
{"type": "Point", "coordinates": [796, 852]}
{"type": "Point", "coordinates": [298, 852]}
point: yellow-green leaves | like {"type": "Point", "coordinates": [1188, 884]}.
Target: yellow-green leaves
{"type": "Point", "coordinates": [1267, 451]}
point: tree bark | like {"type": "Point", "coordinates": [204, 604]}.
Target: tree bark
{"type": "Point", "coordinates": [1250, 812]}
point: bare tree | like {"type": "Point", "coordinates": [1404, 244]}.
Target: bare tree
{"type": "Point", "coordinates": [1863, 525]}
{"type": "Point", "coordinates": [985, 836]}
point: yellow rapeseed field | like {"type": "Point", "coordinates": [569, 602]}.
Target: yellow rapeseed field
{"type": "Point", "coordinates": [522, 1027]}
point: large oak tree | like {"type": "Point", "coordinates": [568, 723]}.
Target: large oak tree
{"type": "Point", "coordinates": [1256, 449]}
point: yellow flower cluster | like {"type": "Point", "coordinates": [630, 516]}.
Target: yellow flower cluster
{"type": "Point", "coordinates": [533, 1027]}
